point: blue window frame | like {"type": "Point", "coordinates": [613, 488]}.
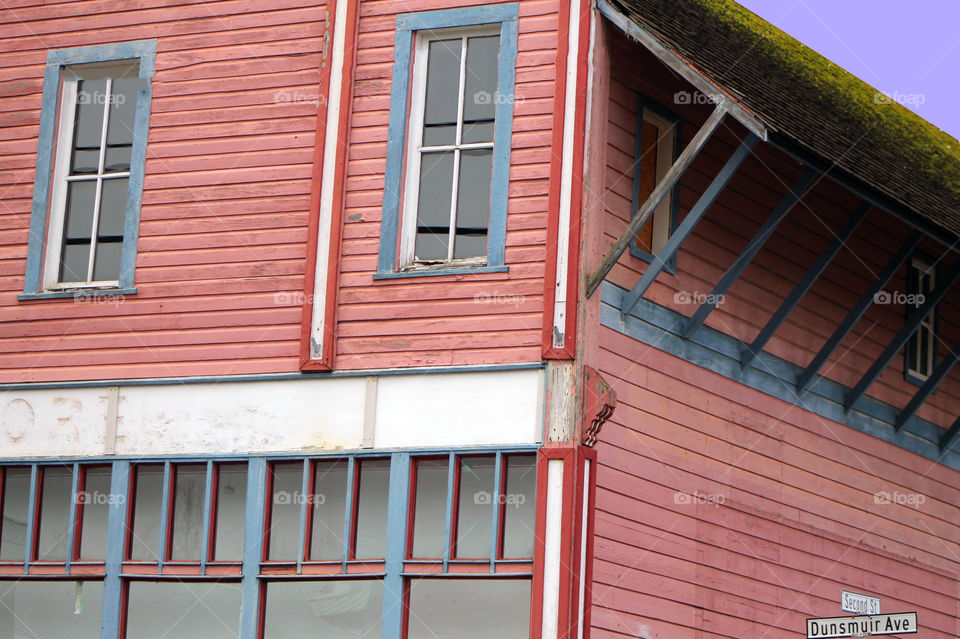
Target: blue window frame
{"type": "Point", "coordinates": [85, 214]}
{"type": "Point", "coordinates": [420, 233]}
{"type": "Point", "coordinates": [270, 546]}
{"type": "Point", "coordinates": [654, 154]}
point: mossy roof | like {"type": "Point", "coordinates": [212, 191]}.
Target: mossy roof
{"type": "Point", "coordinates": [799, 94]}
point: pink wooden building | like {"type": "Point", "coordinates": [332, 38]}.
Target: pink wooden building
{"type": "Point", "coordinates": [533, 319]}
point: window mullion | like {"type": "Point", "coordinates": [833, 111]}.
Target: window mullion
{"type": "Point", "coordinates": [452, 237]}
{"type": "Point", "coordinates": [91, 259]}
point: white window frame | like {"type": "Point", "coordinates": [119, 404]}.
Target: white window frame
{"type": "Point", "coordinates": [415, 147]}
{"type": "Point", "coordinates": [919, 268]}
{"type": "Point", "coordinates": [61, 180]}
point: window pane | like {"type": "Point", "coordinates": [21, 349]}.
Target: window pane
{"type": "Point", "coordinates": [54, 513]}
{"type": "Point", "coordinates": [433, 212]}
{"type": "Point", "coordinates": [183, 609]}
{"type": "Point", "coordinates": [372, 508]}
{"type": "Point", "coordinates": [73, 266]}
{"type": "Point", "coordinates": [123, 107]}
{"type": "Point", "coordinates": [475, 511]}
{"type": "Point", "coordinates": [106, 265]}
{"type": "Point", "coordinates": [431, 508]}
{"type": "Point", "coordinates": [113, 208]}
{"type": "Point", "coordinates": [189, 488]}
{"type": "Point", "coordinates": [88, 125]}
{"type": "Point", "coordinates": [44, 609]}
{"type": "Point", "coordinates": [16, 494]}
{"type": "Point", "coordinates": [78, 224]}
{"type": "Point", "coordinates": [520, 505]}
{"type": "Point", "coordinates": [145, 539]}
{"type": "Point", "coordinates": [285, 513]}
{"type": "Point", "coordinates": [473, 203]}
{"type": "Point", "coordinates": [442, 92]}
{"type": "Point", "coordinates": [329, 609]}
{"type": "Point", "coordinates": [96, 501]}
{"type": "Point", "coordinates": [469, 608]}
{"type": "Point", "coordinates": [478, 131]}
{"type": "Point", "coordinates": [329, 503]}
{"type": "Point", "coordinates": [231, 511]}
{"type": "Point", "coordinates": [480, 92]}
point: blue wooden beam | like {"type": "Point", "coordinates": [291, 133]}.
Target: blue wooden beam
{"type": "Point", "coordinates": [256, 503]}
{"type": "Point", "coordinates": [116, 536]}
{"type": "Point", "coordinates": [947, 438]}
{"type": "Point", "coordinates": [398, 500]}
{"type": "Point", "coordinates": [843, 329]}
{"type": "Point", "coordinates": [801, 289]}
{"type": "Point", "coordinates": [665, 254]}
{"type": "Point", "coordinates": [746, 256]}
{"type": "Point", "coordinates": [941, 371]}
{"type": "Point", "coordinates": [664, 186]}
{"type": "Point", "coordinates": [913, 321]}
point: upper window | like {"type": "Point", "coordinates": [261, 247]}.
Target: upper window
{"type": "Point", "coordinates": [655, 152]}
{"type": "Point", "coordinates": [448, 153]}
{"type": "Point", "coordinates": [921, 349]}
{"type": "Point", "coordinates": [93, 133]}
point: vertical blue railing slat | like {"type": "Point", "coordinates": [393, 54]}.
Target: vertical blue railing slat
{"type": "Point", "coordinates": [207, 507]}
{"type": "Point", "coordinates": [253, 546]}
{"type": "Point", "coordinates": [348, 513]}
{"type": "Point", "coordinates": [116, 536]}
{"type": "Point", "coordinates": [31, 519]}
{"type": "Point", "coordinates": [398, 500]}
{"type": "Point", "coordinates": [495, 518]}
{"type": "Point", "coordinates": [71, 523]}
{"type": "Point", "coordinates": [448, 516]}
{"type": "Point", "coordinates": [164, 517]}
{"type": "Point", "coordinates": [302, 530]}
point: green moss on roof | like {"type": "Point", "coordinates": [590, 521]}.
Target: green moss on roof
{"type": "Point", "coordinates": [906, 135]}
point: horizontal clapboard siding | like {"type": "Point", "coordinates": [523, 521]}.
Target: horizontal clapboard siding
{"type": "Point", "coordinates": [742, 207]}
{"type": "Point", "coordinates": [445, 320]}
{"type": "Point", "coordinates": [723, 512]}
{"type": "Point", "coordinates": [223, 229]}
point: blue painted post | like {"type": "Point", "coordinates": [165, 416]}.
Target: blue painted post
{"type": "Point", "coordinates": [116, 538]}
{"type": "Point", "coordinates": [844, 328]}
{"type": "Point", "coordinates": [164, 517]}
{"type": "Point", "coordinates": [207, 506]}
{"type": "Point", "coordinates": [688, 224]}
{"type": "Point", "coordinates": [253, 546]}
{"type": "Point", "coordinates": [31, 520]}
{"type": "Point", "coordinates": [71, 522]}
{"type": "Point", "coordinates": [448, 517]}
{"type": "Point", "coordinates": [348, 514]}
{"type": "Point", "coordinates": [811, 276]}
{"type": "Point", "coordinates": [753, 247]}
{"type": "Point", "coordinates": [302, 531]}
{"type": "Point", "coordinates": [396, 546]}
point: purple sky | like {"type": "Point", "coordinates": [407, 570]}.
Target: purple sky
{"type": "Point", "coordinates": [909, 49]}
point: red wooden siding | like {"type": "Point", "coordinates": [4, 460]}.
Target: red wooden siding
{"type": "Point", "coordinates": [447, 320]}
{"type": "Point", "coordinates": [798, 522]}
{"type": "Point", "coordinates": [225, 200]}
{"type": "Point", "coordinates": [743, 206]}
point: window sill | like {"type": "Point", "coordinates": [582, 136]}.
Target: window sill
{"type": "Point", "coordinates": [428, 272]}
{"type": "Point", "coordinates": [80, 295]}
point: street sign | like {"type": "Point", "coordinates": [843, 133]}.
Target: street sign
{"type": "Point", "coordinates": [862, 626]}
{"type": "Point", "coordinates": [860, 604]}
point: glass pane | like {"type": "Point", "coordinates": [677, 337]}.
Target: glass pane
{"type": "Point", "coordinates": [54, 513]}
{"type": "Point", "coordinates": [123, 107]}
{"type": "Point", "coordinates": [145, 540]}
{"type": "Point", "coordinates": [480, 91]}
{"type": "Point", "coordinates": [520, 505]}
{"type": "Point", "coordinates": [96, 501]}
{"type": "Point", "coordinates": [475, 511]}
{"type": "Point", "coordinates": [285, 510]}
{"type": "Point", "coordinates": [106, 265]}
{"type": "Point", "coordinates": [88, 126]}
{"type": "Point", "coordinates": [473, 203]}
{"type": "Point", "coordinates": [329, 504]}
{"type": "Point", "coordinates": [73, 267]}
{"type": "Point", "coordinates": [183, 609]}
{"type": "Point", "coordinates": [372, 508]}
{"type": "Point", "coordinates": [431, 508]}
{"type": "Point", "coordinates": [189, 488]}
{"type": "Point", "coordinates": [433, 210]}
{"type": "Point", "coordinates": [44, 609]}
{"type": "Point", "coordinates": [478, 132]}
{"type": "Point", "coordinates": [13, 531]}
{"type": "Point", "coordinates": [113, 208]}
{"type": "Point", "coordinates": [469, 608]}
{"type": "Point", "coordinates": [442, 92]}
{"type": "Point", "coordinates": [78, 223]}
{"type": "Point", "coordinates": [329, 609]}
{"type": "Point", "coordinates": [231, 511]}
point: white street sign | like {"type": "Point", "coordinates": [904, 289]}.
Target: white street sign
{"type": "Point", "coordinates": [860, 604]}
{"type": "Point", "coordinates": [863, 626]}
